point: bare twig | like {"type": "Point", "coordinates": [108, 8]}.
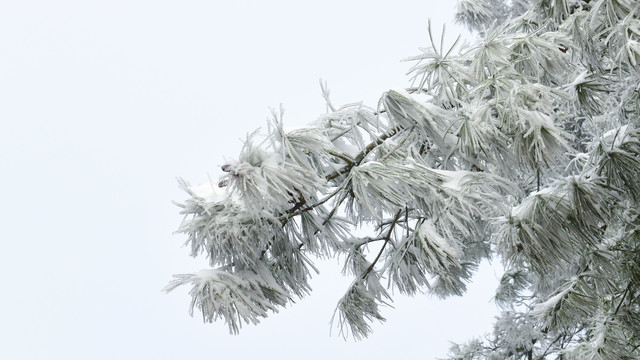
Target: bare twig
{"type": "Point", "coordinates": [387, 239]}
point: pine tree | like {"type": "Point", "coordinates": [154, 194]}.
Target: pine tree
{"type": "Point", "coordinates": [523, 147]}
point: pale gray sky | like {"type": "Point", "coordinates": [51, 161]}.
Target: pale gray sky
{"type": "Point", "coordinates": [104, 104]}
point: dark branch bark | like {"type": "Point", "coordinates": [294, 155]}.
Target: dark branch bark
{"type": "Point", "coordinates": [364, 153]}
{"type": "Point", "coordinates": [387, 239]}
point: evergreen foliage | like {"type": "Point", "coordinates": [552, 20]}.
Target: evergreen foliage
{"type": "Point", "coordinates": [524, 146]}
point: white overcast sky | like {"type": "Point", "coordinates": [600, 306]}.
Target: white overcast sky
{"type": "Point", "coordinates": [104, 103]}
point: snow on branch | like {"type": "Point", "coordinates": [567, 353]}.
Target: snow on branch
{"type": "Point", "coordinates": [242, 296]}
{"type": "Point", "coordinates": [522, 147]}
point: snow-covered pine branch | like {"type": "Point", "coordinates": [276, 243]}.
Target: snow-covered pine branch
{"type": "Point", "coordinates": [524, 146]}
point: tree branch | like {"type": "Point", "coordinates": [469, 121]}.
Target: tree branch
{"type": "Point", "coordinates": [624, 295]}
{"type": "Point", "coordinates": [387, 239]}
{"type": "Point", "coordinates": [346, 158]}
{"type": "Point", "coordinates": [364, 153]}
{"type": "Point", "coordinates": [296, 210]}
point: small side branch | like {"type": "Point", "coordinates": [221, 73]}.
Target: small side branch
{"type": "Point", "coordinates": [364, 153]}
{"type": "Point", "coordinates": [297, 211]}
{"type": "Point", "coordinates": [387, 239]}
{"type": "Point", "coordinates": [624, 295]}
